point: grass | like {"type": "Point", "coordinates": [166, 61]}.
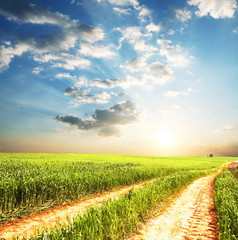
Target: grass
{"type": "Point", "coordinates": [226, 202]}
{"type": "Point", "coordinates": [115, 220]}
{"type": "Point", "coordinates": [30, 182]}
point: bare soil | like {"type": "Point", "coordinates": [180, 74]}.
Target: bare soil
{"type": "Point", "coordinates": [58, 216]}
{"type": "Point", "coordinates": [191, 216]}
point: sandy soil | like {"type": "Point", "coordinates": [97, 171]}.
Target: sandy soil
{"type": "Point", "coordinates": [191, 216]}
{"type": "Point", "coordinates": [60, 215]}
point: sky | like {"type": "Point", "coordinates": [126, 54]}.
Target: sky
{"type": "Point", "coordinates": [141, 77]}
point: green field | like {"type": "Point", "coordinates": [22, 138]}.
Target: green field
{"type": "Point", "coordinates": [32, 182]}
{"type": "Point", "coordinates": [226, 200]}
{"type": "Point", "coordinates": [117, 219]}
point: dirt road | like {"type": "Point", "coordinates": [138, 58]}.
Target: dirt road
{"type": "Point", "coordinates": [60, 215]}
{"type": "Point", "coordinates": [189, 217]}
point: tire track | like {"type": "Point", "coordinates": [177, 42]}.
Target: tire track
{"type": "Point", "coordinates": [190, 217]}
{"type": "Point", "coordinates": [60, 215]}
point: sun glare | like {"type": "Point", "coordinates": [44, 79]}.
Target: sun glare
{"type": "Point", "coordinates": [165, 139]}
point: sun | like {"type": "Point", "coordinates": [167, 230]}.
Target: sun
{"type": "Point", "coordinates": [165, 139]}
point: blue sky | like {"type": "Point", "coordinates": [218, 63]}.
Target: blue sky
{"type": "Point", "coordinates": [119, 76]}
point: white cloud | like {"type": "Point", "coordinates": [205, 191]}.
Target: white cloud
{"type": "Point", "coordinates": [8, 53]}
{"type": "Point", "coordinates": [235, 30]}
{"type": "Point", "coordinates": [64, 60]}
{"type": "Point", "coordinates": [144, 13]}
{"type": "Point", "coordinates": [97, 98]}
{"type": "Point", "coordinates": [136, 64]}
{"type": "Point", "coordinates": [147, 73]}
{"type": "Point", "coordinates": [158, 73]}
{"type": "Point", "coordinates": [51, 46]}
{"type": "Point", "coordinates": [65, 75]}
{"type": "Point", "coordinates": [171, 32]}
{"type": "Point", "coordinates": [183, 15]}
{"type": "Point", "coordinates": [214, 8]}
{"type": "Point", "coordinates": [28, 13]}
{"type": "Point", "coordinates": [141, 46]}
{"type": "Point", "coordinates": [123, 2]}
{"type": "Point", "coordinates": [125, 83]}
{"type": "Point", "coordinates": [87, 33]}
{"type": "Point", "coordinates": [173, 54]}
{"type": "Point", "coordinates": [84, 96]}
{"type": "Point", "coordinates": [78, 81]}
{"type": "Point", "coordinates": [178, 93]}
{"type": "Point", "coordinates": [172, 94]}
{"type": "Point", "coordinates": [37, 70]}
{"type": "Point", "coordinates": [81, 81]}
{"type": "Point", "coordinates": [122, 11]}
{"type": "Point", "coordinates": [153, 27]}
{"type": "Point", "coordinates": [130, 34]}
{"type": "Point", "coordinates": [96, 51]}
{"type": "Point", "coordinates": [135, 37]}
{"type": "Point", "coordinates": [107, 120]}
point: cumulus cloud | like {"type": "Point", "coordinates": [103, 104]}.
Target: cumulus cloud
{"type": "Point", "coordinates": [86, 33]}
{"type": "Point", "coordinates": [106, 120]}
{"type": "Point", "coordinates": [105, 83]}
{"type": "Point", "coordinates": [154, 27]}
{"type": "Point", "coordinates": [135, 37]}
{"type": "Point", "coordinates": [214, 8]}
{"type": "Point", "coordinates": [51, 46]}
{"type": "Point", "coordinates": [65, 75]}
{"type": "Point", "coordinates": [84, 96]}
{"type": "Point", "coordinates": [141, 46]}
{"type": "Point", "coordinates": [17, 10]}
{"type": "Point", "coordinates": [183, 15]}
{"type": "Point", "coordinates": [158, 73]}
{"type": "Point", "coordinates": [8, 53]}
{"type": "Point", "coordinates": [144, 13]}
{"type": "Point", "coordinates": [78, 81]}
{"type": "Point", "coordinates": [136, 64]}
{"type": "Point", "coordinates": [126, 82]}
{"type": "Point", "coordinates": [174, 54]}
{"type": "Point", "coordinates": [63, 60]}
{"type": "Point", "coordinates": [96, 51]}
{"type": "Point", "coordinates": [155, 72]}
{"type": "Point", "coordinates": [130, 34]}
{"type": "Point", "coordinates": [147, 72]}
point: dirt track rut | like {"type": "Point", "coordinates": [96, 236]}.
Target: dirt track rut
{"type": "Point", "coordinates": [190, 217]}
{"type": "Point", "coordinates": [60, 215]}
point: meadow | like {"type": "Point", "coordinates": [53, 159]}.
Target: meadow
{"type": "Point", "coordinates": [33, 182]}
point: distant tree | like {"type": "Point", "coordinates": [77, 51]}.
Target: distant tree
{"type": "Point", "coordinates": [211, 155]}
